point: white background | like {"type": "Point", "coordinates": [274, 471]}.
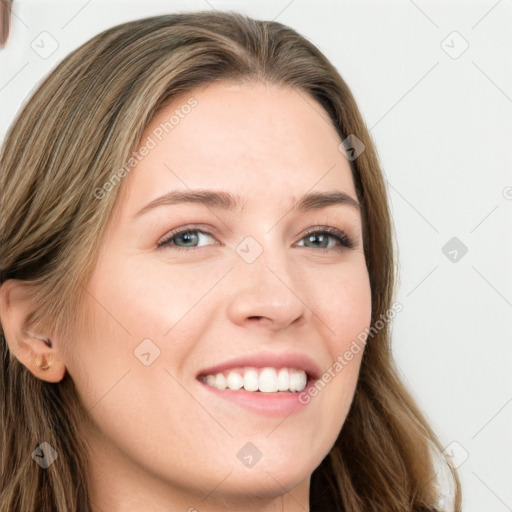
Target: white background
{"type": "Point", "coordinates": [443, 129]}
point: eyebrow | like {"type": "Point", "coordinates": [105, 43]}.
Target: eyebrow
{"type": "Point", "coordinates": [227, 201]}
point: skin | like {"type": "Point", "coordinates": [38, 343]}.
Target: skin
{"type": "Point", "coordinates": [160, 440]}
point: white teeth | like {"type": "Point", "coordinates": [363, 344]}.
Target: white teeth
{"type": "Point", "coordinates": [234, 381]}
{"type": "Point", "coordinates": [268, 380]}
{"type": "Point", "coordinates": [297, 381]}
{"type": "Point", "coordinates": [220, 381]}
{"type": "Point", "coordinates": [283, 380]}
{"type": "Point", "coordinates": [210, 380]}
{"type": "Point", "coordinates": [265, 380]}
{"type": "Point", "coordinates": [251, 380]}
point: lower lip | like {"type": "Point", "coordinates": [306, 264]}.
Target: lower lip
{"type": "Point", "coordinates": [281, 403]}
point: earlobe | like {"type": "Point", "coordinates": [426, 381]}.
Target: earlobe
{"type": "Point", "coordinates": [35, 351]}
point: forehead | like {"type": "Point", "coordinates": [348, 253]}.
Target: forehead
{"type": "Point", "coordinates": [257, 141]}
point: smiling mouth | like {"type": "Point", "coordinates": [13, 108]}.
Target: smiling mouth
{"type": "Point", "coordinates": [258, 380]}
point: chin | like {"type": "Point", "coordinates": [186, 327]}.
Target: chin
{"type": "Point", "coordinates": [263, 485]}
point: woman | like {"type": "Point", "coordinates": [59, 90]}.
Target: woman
{"type": "Point", "coordinates": [197, 284]}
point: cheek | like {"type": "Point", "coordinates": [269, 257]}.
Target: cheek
{"type": "Point", "coordinates": [102, 353]}
{"type": "Point", "coordinates": [150, 298]}
{"type": "Point", "coordinates": [344, 304]}
{"type": "Point", "coordinates": [131, 311]}
{"type": "Point", "coordinates": [344, 311]}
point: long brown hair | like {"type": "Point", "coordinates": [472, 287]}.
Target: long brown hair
{"type": "Point", "coordinates": [78, 129]}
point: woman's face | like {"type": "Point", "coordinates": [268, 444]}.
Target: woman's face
{"type": "Point", "coordinates": [225, 283]}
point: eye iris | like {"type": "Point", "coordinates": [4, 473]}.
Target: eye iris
{"type": "Point", "coordinates": [318, 238]}
{"type": "Point", "coordinates": [190, 238]}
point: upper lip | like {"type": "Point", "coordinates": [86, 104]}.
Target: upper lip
{"type": "Point", "coordinates": [267, 359]}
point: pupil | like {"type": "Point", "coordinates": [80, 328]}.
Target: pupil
{"type": "Point", "coordinates": [318, 239]}
{"type": "Point", "coordinates": [188, 238]}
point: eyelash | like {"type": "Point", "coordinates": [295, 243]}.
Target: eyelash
{"type": "Point", "coordinates": [342, 239]}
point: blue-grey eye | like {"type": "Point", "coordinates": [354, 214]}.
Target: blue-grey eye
{"type": "Point", "coordinates": [185, 239]}
{"type": "Point", "coordinates": [318, 240]}
{"type": "Point", "coordinates": [324, 238]}
{"type": "Point", "coordinates": [327, 238]}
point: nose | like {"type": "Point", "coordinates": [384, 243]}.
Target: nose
{"type": "Point", "coordinates": [264, 294]}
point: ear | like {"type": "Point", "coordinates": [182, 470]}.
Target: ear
{"type": "Point", "coordinates": [36, 350]}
